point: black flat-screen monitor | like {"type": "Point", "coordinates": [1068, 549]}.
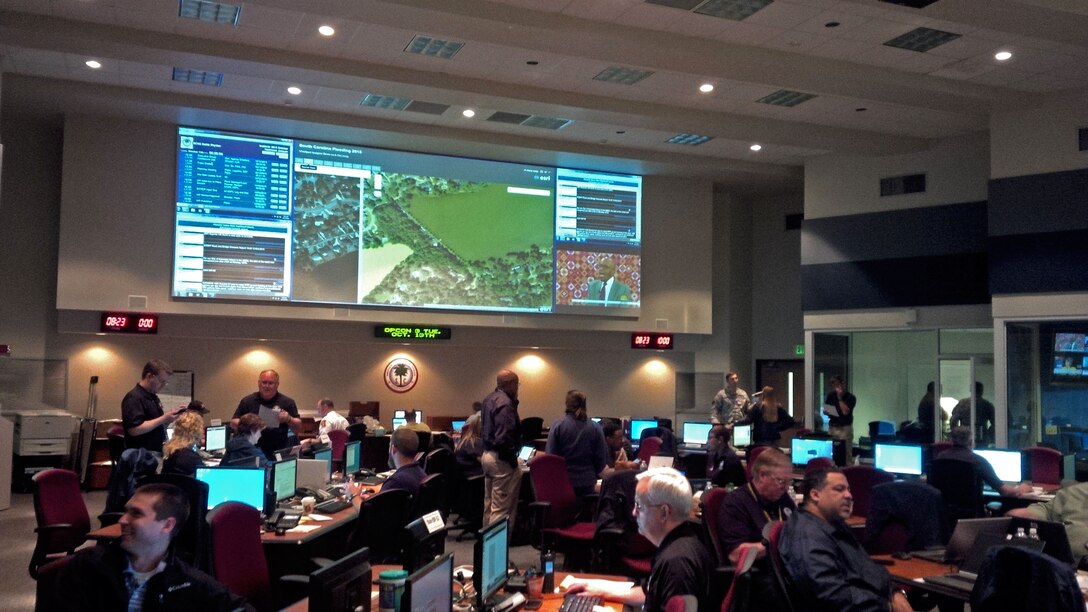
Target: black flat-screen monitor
{"type": "Point", "coordinates": [421, 546]}
{"type": "Point", "coordinates": [284, 478]}
{"type": "Point", "coordinates": [904, 459]}
{"type": "Point", "coordinates": [351, 457]}
{"type": "Point", "coordinates": [331, 223]}
{"type": "Point", "coordinates": [639, 425]}
{"type": "Point", "coordinates": [215, 438]}
{"type": "Point", "coordinates": [325, 455]}
{"type": "Point", "coordinates": [233, 483]}
{"type": "Point", "coordinates": [804, 450]}
{"type": "Point", "coordinates": [344, 585]}
{"type": "Point", "coordinates": [431, 588]}
{"type": "Point", "coordinates": [696, 432]}
{"type": "Point", "coordinates": [490, 560]}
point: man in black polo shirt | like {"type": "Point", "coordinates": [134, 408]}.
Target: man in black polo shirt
{"type": "Point", "coordinates": [142, 414]}
{"type": "Point", "coordinates": [746, 510]}
{"type": "Point", "coordinates": [268, 396]}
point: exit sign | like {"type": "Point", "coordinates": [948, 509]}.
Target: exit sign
{"type": "Point", "coordinates": [798, 349]}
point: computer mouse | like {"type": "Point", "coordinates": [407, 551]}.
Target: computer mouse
{"type": "Point", "coordinates": [281, 531]}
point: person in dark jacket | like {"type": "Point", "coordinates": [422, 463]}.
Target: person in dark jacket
{"type": "Point", "coordinates": [403, 446]}
{"type": "Point", "coordinates": [581, 443]}
{"type": "Point", "coordinates": [469, 448]}
{"type": "Point", "coordinates": [502, 440]}
{"type": "Point", "coordinates": [244, 443]}
{"type": "Point", "coordinates": [138, 572]}
{"type": "Point", "coordinates": [768, 418]}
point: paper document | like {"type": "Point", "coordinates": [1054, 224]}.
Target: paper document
{"type": "Point", "coordinates": [270, 416]}
{"type": "Point", "coordinates": [830, 410]}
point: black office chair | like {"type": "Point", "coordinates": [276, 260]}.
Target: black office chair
{"type": "Point", "coordinates": [424, 441]}
{"type": "Point", "coordinates": [356, 432]}
{"type": "Point", "coordinates": [381, 524]}
{"type": "Point", "coordinates": [960, 485]}
{"type": "Point", "coordinates": [430, 496]}
{"type": "Point", "coordinates": [440, 461]}
{"type": "Point", "coordinates": [531, 429]}
{"type": "Point", "coordinates": [272, 439]}
{"type": "Point", "coordinates": [1012, 579]}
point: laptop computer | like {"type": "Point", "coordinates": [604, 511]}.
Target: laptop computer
{"type": "Point", "coordinates": [1055, 540]}
{"type": "Point", "coordinates": [963, 536]}
{"type": "Point", "coordinates": [964, 579]}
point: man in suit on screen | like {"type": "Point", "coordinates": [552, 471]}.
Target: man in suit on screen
{"type": "Point", "coordinates": [606, 287]}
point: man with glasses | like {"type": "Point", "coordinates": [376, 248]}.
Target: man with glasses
{"type": "Point", "coordinates": [142, 414]}
{"type": "Point", "coordinates": [682, 565]}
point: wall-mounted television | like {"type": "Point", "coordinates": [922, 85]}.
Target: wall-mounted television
{"type": "Point", "coordinates": [288, 220]}
{"type": "Point", "coordinates": [1069, 361]}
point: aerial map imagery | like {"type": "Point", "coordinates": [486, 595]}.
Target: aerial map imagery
{"type": "Point", "coordinates": [425, 241]}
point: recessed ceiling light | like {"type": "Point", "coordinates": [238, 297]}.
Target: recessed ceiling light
{"type": "Point", "coordinates": [1002, 55]}
{"type": "Point", "coordinates": [326, 30]}
{"type": "Point", "coordinates": [294, 91]}
{"type": "Point", "coordinates": [93, 64]}
{"type": "Point", "coordinates": [706, 87]}
{"type": "Point", "coordinates": [532, 63]}
{"type": "Point", "coordinates": [832, 24]}
{"type": "Point", "coordinates": [621, 131]}
{"type": "Point", "coordinates": [756, 147]}
{"type": "Point", "coordinates": [860, 109]}
{"type": "Point", "coordinates": [468, 112]}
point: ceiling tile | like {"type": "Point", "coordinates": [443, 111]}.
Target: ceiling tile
{"type": "Point", "coordinates": [796, 41]}
{"type": "Point", "coordinates": [601, 10]}
{"type": "Point", "coordinates": [269, 18]}
{"type": "Point", "coordinates": [782, 15]}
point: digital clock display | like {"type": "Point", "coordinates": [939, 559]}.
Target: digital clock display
{"type": "Point", "coordinates": [654, 341]}
{"type": "Point", "coordinates": [130, 323]}
{"type": "Point", "coordinates": [412, 332]}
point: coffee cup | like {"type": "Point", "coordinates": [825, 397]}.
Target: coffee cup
{"type": "Point", "coordinates": [308, 504]}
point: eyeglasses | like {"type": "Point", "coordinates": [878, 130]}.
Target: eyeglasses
{"type": "Point", "coordinates": [779, 481]}
{"type": "Point", "coordinates": [641, 507]}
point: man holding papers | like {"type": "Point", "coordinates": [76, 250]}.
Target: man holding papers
{"type": "Point", "coordinates": [274, 408]}
{"type": "Point", "coordinates": [839, 406]}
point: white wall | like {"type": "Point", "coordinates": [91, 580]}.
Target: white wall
{"type": "Point", "coordinates": [1038, 140]}
{"type": "Point", "coordinates": [957, 170]}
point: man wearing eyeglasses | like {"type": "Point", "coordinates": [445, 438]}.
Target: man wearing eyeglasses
{"type": "Point", "coordinates": [682, 565]}
{"type": "Point", "coordinates": [142, 414]}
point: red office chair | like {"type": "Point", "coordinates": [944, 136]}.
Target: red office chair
{"type": "Point", "coordinates": [556, 511]}
{"type": "Point", "coordinates": [1045, 464]}
{"type": "Point", "coordinates": [782, 585]}
{"type": "Point", "coordinates": [648, 447]}
{"type": "Point", "coordinates": [744, 565]}
{"type": "Point", "coordinates": [818, 463]}
{"type": "Point", "coordinates": [937, 448]}
{"type": "Point", "coordinates": [862, 479]}
{"type": "Point", "coordinates": [63, 522]}
{"type": "Point", "coordinates": [750, 458]}
{"type": "Point", "coordinates": [628, 552]}
{"type": "Point", "coordinates": [338, 439]}
{"type": "Point", "coordinates": [711, 502]}
{"type": "Point", "coordinates": [237, 556]}
{"type": "Point", "coordinates": [682, 603]}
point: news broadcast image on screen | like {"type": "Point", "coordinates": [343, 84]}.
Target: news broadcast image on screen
{"type": "Point", "coordinates": [278, 219]}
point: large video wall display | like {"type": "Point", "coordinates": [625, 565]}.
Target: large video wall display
{"type": "Point", "coordinates": [280, 219]}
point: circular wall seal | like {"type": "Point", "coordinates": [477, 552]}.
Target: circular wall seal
{"type": "Point", "coordinates": [401, 375]}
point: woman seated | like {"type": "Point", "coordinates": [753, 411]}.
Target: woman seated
{"type": "Point", "coordinates": [180, 451]}
{"type": "Point", "coordinates": [469, 448]}
{"type": "Point", "coordinates": [768, 418]}
{"type": "Point", "coordinates": [244, 443]}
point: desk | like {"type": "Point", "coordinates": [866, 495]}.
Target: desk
{"type": "Point", "coordinates": [906, 574]}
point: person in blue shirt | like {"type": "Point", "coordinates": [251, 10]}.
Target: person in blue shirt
{"type": "Point", "coordinates": [581, 442]}
{"type": "Point", "coordinates": [403, 448]}
{"type": "Point", "coordinates": [244, 443]}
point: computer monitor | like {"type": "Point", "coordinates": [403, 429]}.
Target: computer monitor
{"type": "Point", "coordinates": [742, 435]}
{"type": "Point", "coordinates": [526, 453]}
{"type": "Point", "coordinates": [905, 459]}
{"type": "Point", "coordinates": [1007, 464]}
{"type": "Point", "coordinates": [325, 455]}
{"type": "Point", "coordinates": [802, 451]}
{"type": "Point", "coordinates": [351, 457]}
{"type": "Point", "coordinates": [431, 588]}
{"type": "Point", "coordinates": [490, 560]}
{"type": "Point", "coordinates": [399, 422]}
{"type": "Point", "coordinates": [215, 438]}
{"type": "Point", "coordinates": [640, 425]}
{"type": "Point", "coordinates": [233, 483]}
{"type": "Point", "coordinates": [344, 585]}
{"type": "Point", "coordinates": [596, 420]}
{"type": "Point", "coordinates": [696, 432]}
{"type": "Point", "coordinates": [284, 475]}
{"type": "Point", "coordinates": [421, 546]}
{"type": "Point", "coordinates": [457, 425]}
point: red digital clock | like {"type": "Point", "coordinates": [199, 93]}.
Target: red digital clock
{"type": "Point", "coordinates": [654, 341]}
{"type": "Point", "coordinates": [130, 323]}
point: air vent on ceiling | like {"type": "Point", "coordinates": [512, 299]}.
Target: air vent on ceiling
{"type": "Point", "coordinates": [429, 108]}
{"type": "Point", "coordinates": [793, 222]}
{"type": "Point", "coordinates": [505, 117]}
{"type": "Point", "coordinates": [433, 47]}
{"type": "Point", "coordinates": [390, 102]}
{"type": "Point", "coordinates": [1082, 139]}
{"type": "Point", "coordinates": [921, 39]}
{"type": "Point", "coordinates": [918, 4]}
{"type": "Point", "coordinates": [687, 5]}
{"type": "Point", "coordinates": [210, 12]}
{"type": "Point", "coordinates": [693, 140]}
{"type": "Point", "coordinates": [785, 97]}
{"type": "Point", "coordinates": [534, 121]}
{"type": "Point", "coordinates": [200, 77]}
{"type": "Point", "coordinates": [902, 185]}
{"type": "Point", "coordinates": [735, 10]}
{"type": "Point", "coordinates": [624, 76]}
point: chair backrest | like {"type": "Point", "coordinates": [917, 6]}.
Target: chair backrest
{"type": "Point", "coordinates": [438, 461]}
{"type": "Point", "coordinates": [272, 439]}
{"type": "Point", "coordinates": [338, 439]}
{"type": "Point", "coordinates": [682, 603]}
{"type": "Point", "coordinates": [551, 484]}
{"type": "Point", "coordinates": [237, 556]}
{"type": "Point", "coordinates": [135, 463]}
{"type": "Point", "coordinates": [750, 458]}
{"type": "Point", "coordinates": [431, 490]}
{"type": "Point", "coordinates": [862, 479]}
{"type": "Point", "coordinates": [905, 515]}
{"type": "Point", "coordinates": [648, 447]}
{"type": "Point", "coordinates": [191, 543]}
{"type": "Point", "coordinates": [1014, 578]}
{"type": "Point", "coordinates": [424, 441]}
{"type": "Point", "coordinates": [115, 440]}
{"type": "Point", "coordinates": [57, 501]}
{"type": "Point", "coordinates": [711, 502]}
{"type": "Point", "coordinates": [937, 448]}
{"type": "Point", "coordinates": [819, 463]}
{"type": "Point", "coordinates": [356, 431]}
{"type": "Point", "coordinates": [783, 588]}
{"type": "Point", "coordinates": [960, 485]}
{"type": "Point", "coordinates": [1045, 465]}
{"type": "Point", "coordinates": [740, 577]}
{"type": "Point", "coordinates": [531, 428]}
{"type": "Point", "coordinates": [380, 525]}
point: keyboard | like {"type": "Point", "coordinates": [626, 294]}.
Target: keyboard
{"type": "Point", "coordinates": [937, 555]}
{"type": "Point", "coordinates": [332, 506]}
{"type": "Point", "coordinates": [579, 603]}
{"type": "Point", "coordinates": [956, 582]}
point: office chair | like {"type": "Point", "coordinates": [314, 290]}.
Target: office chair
{"type": "Point", "coordinates": [237, 556]}
{"type": "Point", "coordinates": [783, 587]}
{"type": "Point", "coordinates": [960, 485]}
{"type": "Point", "coordinates": [648, 447]}
{"type": "Point", "coordinates": [556, 512]}
{"type": "Point", "coordinates": [736, 592]}
{"type": "Point", "coordinates": [531, 429]}
{"type": "Point", "coordinates": [818, 463]}
{"type": "Point", "coordinates": [115, 441]}
{"type": "Point", "coordinates": [618, 546]}
{"type": "Point", "coordinates": [430, 496]}
{"type": "Point", "coordinates": [711, 502]}
{"type": "Point", "coordinates": [750, 458]}
{"type": "Point", "coordinates": [47, 581]}
{"type": "Point", "coordinates": [272, 439]}
{"type": "Point", "coordinates": [1045, 465]}
{"type": "Point", "coordinates": [682, 603]}
{"type": "Point", "coordinates": [356, 432]}
{"type": "Point", "coordinates": [424, 441]}
{"type": "Point", "coordinates": [61, 515]}
{"type": "Point", "coordinates": [192, 542]}
{"type": "Point", "coordinates": [440, 461]}
{"type": "Point", "coordinates": [469, 504]}
{"type": "Point", "coordinates": [338, 439]}
{"type": "Point", "coordinates": [937, 448]}
{"type": "Point", "coordinates": [862, 479]}
{"type": "Point", "coordinates": [905, 515]}
{"type": "Point", "coordinates": [380, 524]}
{"type": "Point", "coordinates": [1013, 578]}
{"type": "Point", "coordinates": [668, 439]}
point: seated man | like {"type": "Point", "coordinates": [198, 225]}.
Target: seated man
{"type": "Point", "coordinates": [1069, 506]}
{"type": "Point", "coordinates": [747, 510]}
{"type": "Point", "coordinates": [682, 565]}
{"type": "Point", "coordinates": [961, 451]}
{"type": "Point", "coordinates": [330, 420]}
{"type": "Point", "coordinates": [827, 566]}
{"type": "Point", "coordinates": [402, 449]}
{"type": "Point", "coordinates": [139, 568]}
{"type": "Point", "coordinates": [411, 418]}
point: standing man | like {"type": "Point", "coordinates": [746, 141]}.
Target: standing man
{"type": "Point", "coordinates": [839, 407]}
{"type": "Point", "coordinates": [142, 414]}
{"type": "Point", "coordinates": [606, 287]}
{"type": "Point", "coordinates": [826, 564]}
{"type": "Point", "coordinates": [139, 573]}
{"type": "Point", "coordinates": [502, 440]}
{"type": "Point", "coordinates": [984, 410]}
{"type": "Point", "coordinates": [268, 396]}
{"type": "Point", "coordinates": [581, 442]}
{"type": "Point", "coordinates": [730, 404]}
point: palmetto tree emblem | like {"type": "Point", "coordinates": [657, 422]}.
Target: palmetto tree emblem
{"type": "Point", "coordinates": [401, 375]}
